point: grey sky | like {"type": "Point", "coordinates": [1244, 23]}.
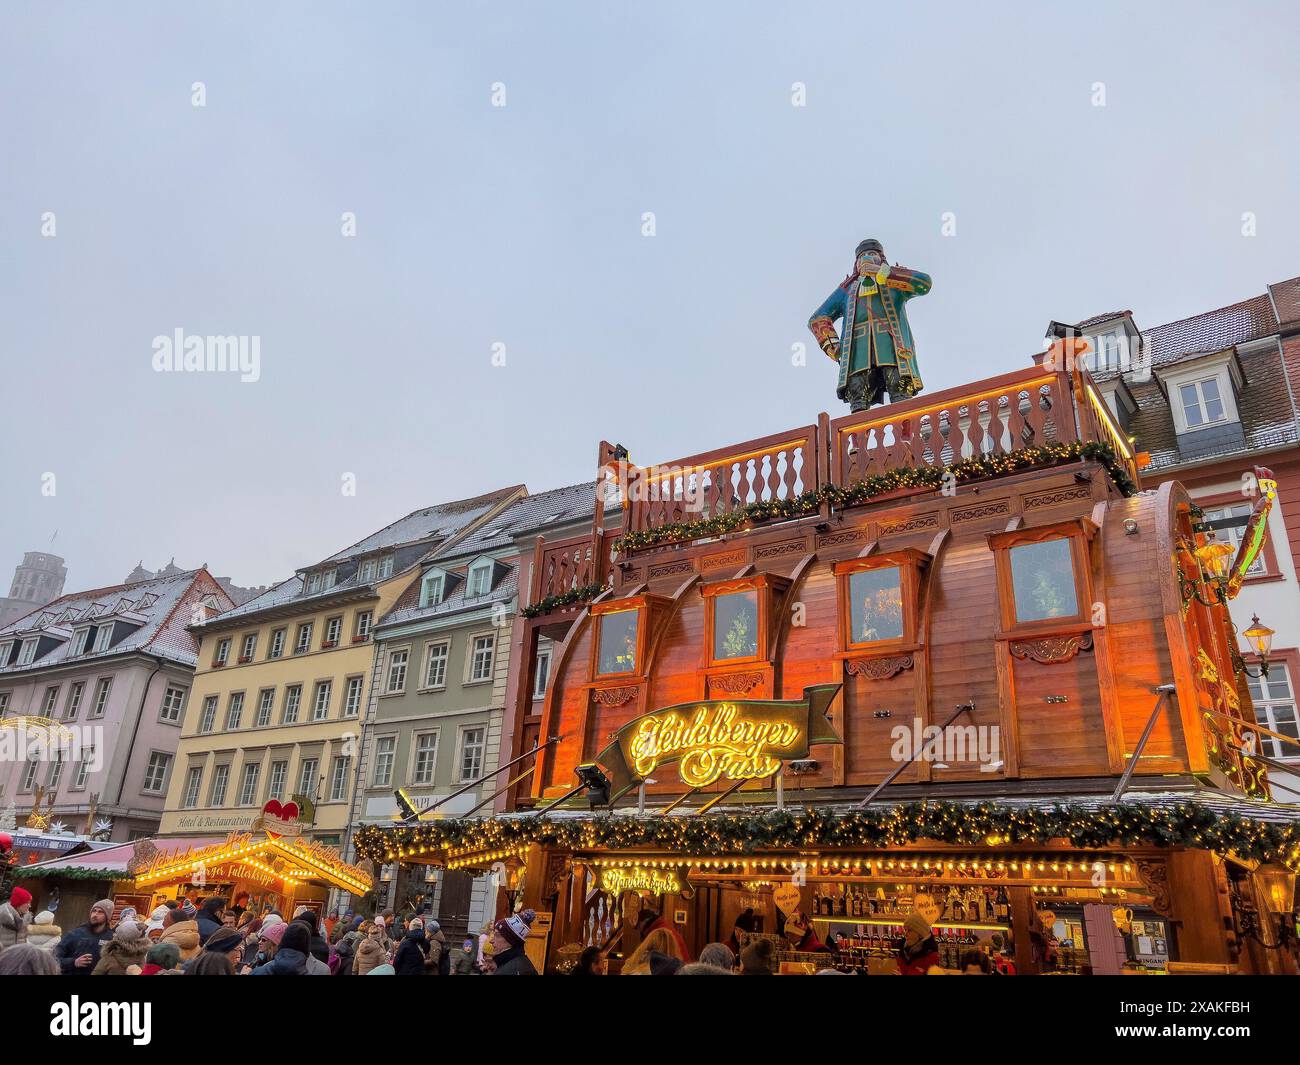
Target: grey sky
{"type": "Point", "coordinates": [522, 225]}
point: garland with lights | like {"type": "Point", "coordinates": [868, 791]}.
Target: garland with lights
{"type": "Point", "coordinates": [1185, 824]}
{"type": "Point", "coordinates": [573, 595]}
{"type": "Point", "coordinates": [895, 480]}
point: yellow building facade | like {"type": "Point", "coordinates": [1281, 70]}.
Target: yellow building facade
{"type": "Point", "coordinates": [282, 683]}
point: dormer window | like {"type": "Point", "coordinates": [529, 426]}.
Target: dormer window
{"type": "Point", "coordinates": [6, 651]}
{"type": "Point", "coordinates": [366, 573]}
{"type": "Point", "coordinates": [102, 637]}
{"type": "Point", "coordinates": [1202, 403]}
{"type": "Point", "coordinates": [431, 588]}
{"type": "Point", "coordinates": [313, 583]}
{"type": "Point", "coordinates": [385, 567]}
{"type": "Point", "coordinates": [28, 653]}
{"type": "Point", "coordinates": [480, 578]}
{"type": "Point", "coordinates": [80, 640]}
{"type": "Point", "coordinates": [1203, 397]}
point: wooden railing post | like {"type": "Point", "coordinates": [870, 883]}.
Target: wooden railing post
{"type": "Point", "coordinates": [827, 472]}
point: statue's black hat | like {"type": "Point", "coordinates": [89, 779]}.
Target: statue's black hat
{"type": "Point", "coordinates": [870, 244]}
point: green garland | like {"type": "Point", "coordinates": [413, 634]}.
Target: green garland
{"type": "Point", "coordinates": [899, 479]}
{"type": "Point", "coordinates": [1186, 824]}
{"type": "Point", "coordinates": [69, 873]}
{"type": "Point", "coordinates": [573, 595]}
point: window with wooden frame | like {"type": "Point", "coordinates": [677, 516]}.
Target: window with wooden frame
{"type": "Point", "coordinates": [1043, 577]}
{"type": "Point", "coordinates": [880, 601]}
{"type": "Point", "coordinates": [620, 637]}
{"type": "Point", "coordinates": [737, 617]}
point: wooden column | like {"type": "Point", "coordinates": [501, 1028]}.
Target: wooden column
{"type": "Point", "coordinates": [1022, 905]}
{"type": "Point", "coordinates": [1191, 889]}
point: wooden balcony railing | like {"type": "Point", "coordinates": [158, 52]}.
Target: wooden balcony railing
{"type": "Point", "coordinates": [1025, 409]}
{"type": "Point", "coordinates": [778, 467]}
{"type": "Point", "coordinates": [564, 566]}
{"type": "Point", "coordinates": [1018, 411]}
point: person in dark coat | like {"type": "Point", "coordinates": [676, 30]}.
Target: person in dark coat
{"type": "Point", "coordinates": [345, 952]}
{"type": "Point", "coordinates": [291, 955]}
{"type": "Point", "coordinates": [209, 917]}
{"type": "Point", "coordinates": [319, 949]}
{"type": "Point", "coordinates": [508, 936]}
{"type": "Point", "coordinates": [409, 959]}
{"type": "Point", "coordinates": [78, 951]}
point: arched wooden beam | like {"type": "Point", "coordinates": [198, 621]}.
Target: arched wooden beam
{"type": "Point", "coordinates": [656, 637]}
{"type": "Point", "coordinates": [561, 652]}
{"type": "Point", "coordinates": [783, 629]}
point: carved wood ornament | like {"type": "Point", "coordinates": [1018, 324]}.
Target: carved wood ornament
{"type": "Point", "coordinates": [614, 696]}
{"type": "Point", "coordinates": [1052, 649]}
{"type": "Point", "coordinates": [878, 668]}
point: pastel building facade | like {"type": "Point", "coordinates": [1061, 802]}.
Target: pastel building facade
{"type": "Point", "coordinates": [111, 670]}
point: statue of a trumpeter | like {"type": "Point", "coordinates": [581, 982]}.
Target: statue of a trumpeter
{"type": "Point", "coordinates": [874, 347]}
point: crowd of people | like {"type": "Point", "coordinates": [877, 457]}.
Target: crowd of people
{"type": "Point", "coordinates": [216, 938]}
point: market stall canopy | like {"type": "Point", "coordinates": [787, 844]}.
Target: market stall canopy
{"type": "Point", "coordinates": [270, 856]}
{"type": "Point", "coordinates": [100, 862]}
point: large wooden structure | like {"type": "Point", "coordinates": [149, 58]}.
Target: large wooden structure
{"type": "Point", "coordinates": [981, 565]}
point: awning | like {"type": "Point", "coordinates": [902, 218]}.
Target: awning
{"type": "Point", "coordinates": [109, 862]}
{"type": "Point", "coordinates": [260, 856]}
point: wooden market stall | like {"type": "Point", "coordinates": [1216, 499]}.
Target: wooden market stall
{"type": "Point", "coordinates": [943, 656]}
{"type": "Point", "coordinates": [272, 872]}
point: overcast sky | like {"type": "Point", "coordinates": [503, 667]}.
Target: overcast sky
{"type": "Point", "coordinates": [522, 225]}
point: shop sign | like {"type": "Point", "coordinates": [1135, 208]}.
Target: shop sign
{"type": "Point", "coordinates": [731, 739]}
{"type": "Point", "coordinates": [617, 879]}
{"type": "Point", "coordinates": [786, 897]}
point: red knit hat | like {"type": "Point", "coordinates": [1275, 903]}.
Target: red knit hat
{"type": "Point", "coordinates": [20, 897]}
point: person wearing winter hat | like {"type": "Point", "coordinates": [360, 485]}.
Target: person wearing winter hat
{"type": "Point", "coordinates": [157, 920]}
{"type": "Point", "coordinates": [290, 958]}
{"type": "Point", "coordinates": [210, 964]}
{"type": "Point", "coordinates": [15, 917]}
{"type": "Point", "coordinates": [228, 942]}
{"type": "Point", "coordinates": [917, 951]}
{"type": "Point", "coordinates": [162, 959]}
{"type": "Point", "coordinates": [43, 933]}
{"type": "Point", "coordinates": [180, 928]}
{"type": "Point", "coordinates": [78, 950]}
{"type": "Point", "coordinates": [319, 949]}
{"type": "Point", "coordinates": [438, 960]}
{"type": "Point", "coordinates": [22, 959]}
{"type": "Point", "coordinates": [127, 947]}
{"type": "Point", "coordinates": [372, 951]}
{"type": "Point", "coordinates": [508, 936]}
{"type": "Point", "coordinates": [412, 951]}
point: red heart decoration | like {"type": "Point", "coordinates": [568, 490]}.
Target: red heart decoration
{"type": "Point", "coordinates": [274, 809]}
{"type": "Point", "coordinates": [289, 812]}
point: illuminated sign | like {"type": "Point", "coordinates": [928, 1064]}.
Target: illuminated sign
{"type": "Point", "coordinates": [741, 739]}
{"type": "Point", "coordinates": [712, 742]}
{"type": "Point", "coordinates": [637, 878]}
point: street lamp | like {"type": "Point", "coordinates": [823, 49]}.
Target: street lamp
{"type": "Point", "coordinates": [1260, 638]}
